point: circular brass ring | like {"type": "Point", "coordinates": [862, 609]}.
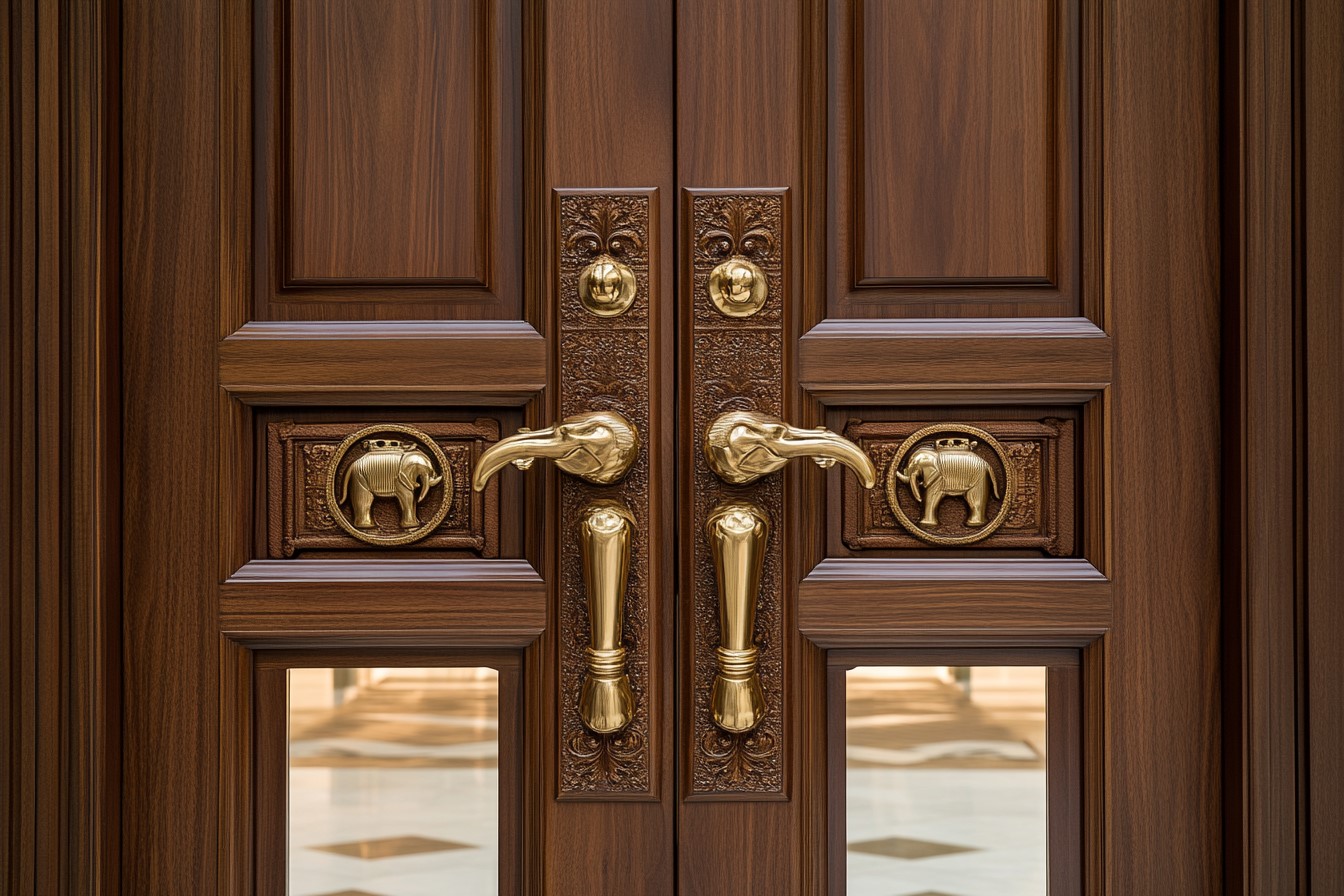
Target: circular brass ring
{"type": "Point", "coordinates": [1009, 486]}
{"type": "Point", "coordinates": [411, 535]}
{"type": "Point", "coordinates": [607, 287]}
{"type": "Point", "coordinates": [738, 287]}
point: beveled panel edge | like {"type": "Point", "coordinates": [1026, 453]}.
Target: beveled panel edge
{"type": "Point", "coordinates": [429, 603]}
{"type": "Point", "coordinates": [892, 602]}
{"type": "Point", "coordinates": [1064, 359]}
{"type": "Point", "coordinates": [399, 362]}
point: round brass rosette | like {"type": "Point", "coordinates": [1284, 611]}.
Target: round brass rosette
{"type": "Point", "coordinates": [943, 466]}
{"type": "Point", "coordinates": [607, 287]}
{"type": "Point", "coordinates": [396, 491]}
{"type": "Point", "coordinates": [738, 287]}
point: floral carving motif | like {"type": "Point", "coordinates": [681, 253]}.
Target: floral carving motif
{"type": "Point", "coordinates": [604, 365]}
{"type": "Point", "coordinates": [316, 460]}
{"type": "Point", "coordinates": [737, 365]}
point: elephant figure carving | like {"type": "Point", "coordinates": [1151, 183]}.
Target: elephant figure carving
{"type": "Point", "coordinates": [949, 467]}
{"type": "Point", "coordinates": [388, 468]}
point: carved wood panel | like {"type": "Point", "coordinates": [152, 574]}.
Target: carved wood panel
{"type": "Point", "coordinates": [736, 364]}
{"type": "Point", "coordinates": [604, 365]}
{"type": "Point", "coordinates": [1040, 516]}
{"type": "Point", "coordinates": [298, 460]}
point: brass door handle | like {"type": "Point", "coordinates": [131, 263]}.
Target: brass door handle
{"type": "Point", "coordinates": [598, 447]}
{"type": "Point", "coordinates": [738, 532]}
{"type": "Point", "coordinates": [743, 446]}
{"type": "Point", "coordinates": [606, 530]}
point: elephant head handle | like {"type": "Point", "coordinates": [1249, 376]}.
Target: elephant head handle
{"type": "Point", "coordinates": [598, 447]}
{"type": "Point", "coordinates": [743, 446]}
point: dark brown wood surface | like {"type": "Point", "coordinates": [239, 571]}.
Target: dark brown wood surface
{"type": "Point", "coordinates": [1321, 782]}
{"type": "Point", "coordinates": [1209, 755]}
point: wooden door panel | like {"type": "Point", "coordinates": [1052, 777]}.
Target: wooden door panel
{"type": "Point", "coordinates": [954, 132]}
{"type": "Point", "coordinates": [387, 150]}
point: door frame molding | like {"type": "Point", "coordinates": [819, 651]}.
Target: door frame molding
{"type": "Point", "coordinates": [60, 394]}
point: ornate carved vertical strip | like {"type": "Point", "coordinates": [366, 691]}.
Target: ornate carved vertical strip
{"type": "Point", "coordinates": [736, 364]}
{"type": "Point", "coordinates": [604, 365]}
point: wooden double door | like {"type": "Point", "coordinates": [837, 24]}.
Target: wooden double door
{"type": "Point", "coordinates": [975, 240]}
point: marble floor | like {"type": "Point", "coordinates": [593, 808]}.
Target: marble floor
{"type": "Point", "coordinates": [394, 785]}
{"type": "Point", "coordinates": [946, 785]}
{"type": "Point", "coordinates": [395, 791]}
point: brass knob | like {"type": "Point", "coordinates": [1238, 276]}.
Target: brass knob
{"type": "Point", "coordinates": [607, 287]}
{"type": "Point", "coordinates": [738, 532]}
{"type": "Point", "coordinates": [598, 447]}
{"type": "Point", "coordinates": [738, 287]}
{"type": "Point", "coordinates": [743, 446]}
{"type": "Point", "coordinates": [606, 703]}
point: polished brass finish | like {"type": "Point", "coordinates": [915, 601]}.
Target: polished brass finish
{"type": "Point", "coordinates": [738, 287]}
{"type": "Point", "coordinates": [943, 460]}
{"type": "Point", "coordinates": [597, 447]}
{"type": "Point", "coordinates": [738, 532]}
{"type": "Point", "coordinates": [606, 532]}
{"type": "Point", "coordinates": [401, 468]}
{"type": "Point", "coordinates": [607, 287]}
{"type": "Point", "coordinates": [743, 446]}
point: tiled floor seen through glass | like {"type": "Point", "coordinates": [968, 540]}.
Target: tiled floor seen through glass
{"type": "Point", "coordinates": [946, 781]}
{"type": "Point", "coordinates": [393, 782]}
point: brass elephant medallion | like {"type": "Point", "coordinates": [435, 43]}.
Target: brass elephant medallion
{"type": "Point", "coordinates": [954, 461]}
{"type": "Point", "coordinates": [389, 460]}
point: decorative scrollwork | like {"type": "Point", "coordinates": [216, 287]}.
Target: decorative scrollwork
{"type": "Point", "coordinates": [736, 366]}
{"type": "Point", "coordinates": [604, 366]}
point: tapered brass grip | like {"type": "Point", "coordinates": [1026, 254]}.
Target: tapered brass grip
{"type": "Point", "coordinates": [606, 703]}
{"type": "Point", "coordinates": [597, 447]}
{"type": "Point", "coordinates": [743, 446]}
{"type": "Point", "coordinates": [738, 532]}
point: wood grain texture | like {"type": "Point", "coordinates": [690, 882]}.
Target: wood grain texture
{"type": "Point", "coordinates": [1162, 657]}
{"type": "Point", "coordinates": [851, 603]}
{"type": "Point", "coordinates": [1322, 471]}
{"type": "Point", "coordinates": [170, 231]}
{"type": "Point", "coordinates": [889, 362]}
{"type": "Point", "coordinates": [379, 167]}
{"type": "Point", "coordinates": [1262, 534]}
{"type": "Point", "coordinates": [424, 602]}
{"type": "Point", "coordinates": [464, 362]}
{"type": "Point", "coordinates": [954, 158]}
{"type": "Point", "coordinates": [604, 87]}
{"type": "Point", "coordinates": [388, 150]}
{"type": "Point", "coordinates": [742, 846]}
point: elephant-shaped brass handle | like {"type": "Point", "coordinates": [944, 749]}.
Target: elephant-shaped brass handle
{"type": "Point", "coordinates": [606, 530]}
{"type": "Point", "coordinates": [738, 532]}
{"type": "Point", "coordinates": [743, 446]}
{"type": "Point", "coordinates": [598, 447]}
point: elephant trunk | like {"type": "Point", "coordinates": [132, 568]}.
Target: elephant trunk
{"type": "Point", "coordinates": [912, 480]}
{"type": "Point", "coordinates": [427, 481]}
{"type": "Point", "coordinates": [345, 483]}
{"type": "Point", "coordinates": [994, 482]}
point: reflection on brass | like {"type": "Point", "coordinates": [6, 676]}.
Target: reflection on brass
{"type": "Point", "coordinates": [606, 703]}
{"type": "Point", "coordinates": [738, 287]}
{"type": "Point", "coordinates": [943, 460]}
{"type": "Point", "coordinates": [743, 446]}
{"type": "Point", "coordinates": [597, 447]}
{"type": "Point", "coordinates": [738, 531]}
{"type": "Point", "coordinates": [607, 287]}
{"type": "Point", "coordinates": [404, 469]}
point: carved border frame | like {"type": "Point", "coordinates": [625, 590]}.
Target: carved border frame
{"type": "Point", "coordinates": [604, 364]}
{"type": "Point", "coordinates": [734, 364]}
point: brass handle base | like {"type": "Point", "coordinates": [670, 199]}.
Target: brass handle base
{"type": "Point", "coordinates": [606, 703]}
{"type": "Point", "coordinates": [738, 701]}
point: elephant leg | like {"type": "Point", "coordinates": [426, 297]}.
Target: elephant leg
{"type": "Point", "coordinates": [931, 499]}
{"type": "Point", "coordinates": [406, 498]}
{"type": "Point", "coordinates": [976, 496]}
{"type": "Point", "coordinates": [362, 500]}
